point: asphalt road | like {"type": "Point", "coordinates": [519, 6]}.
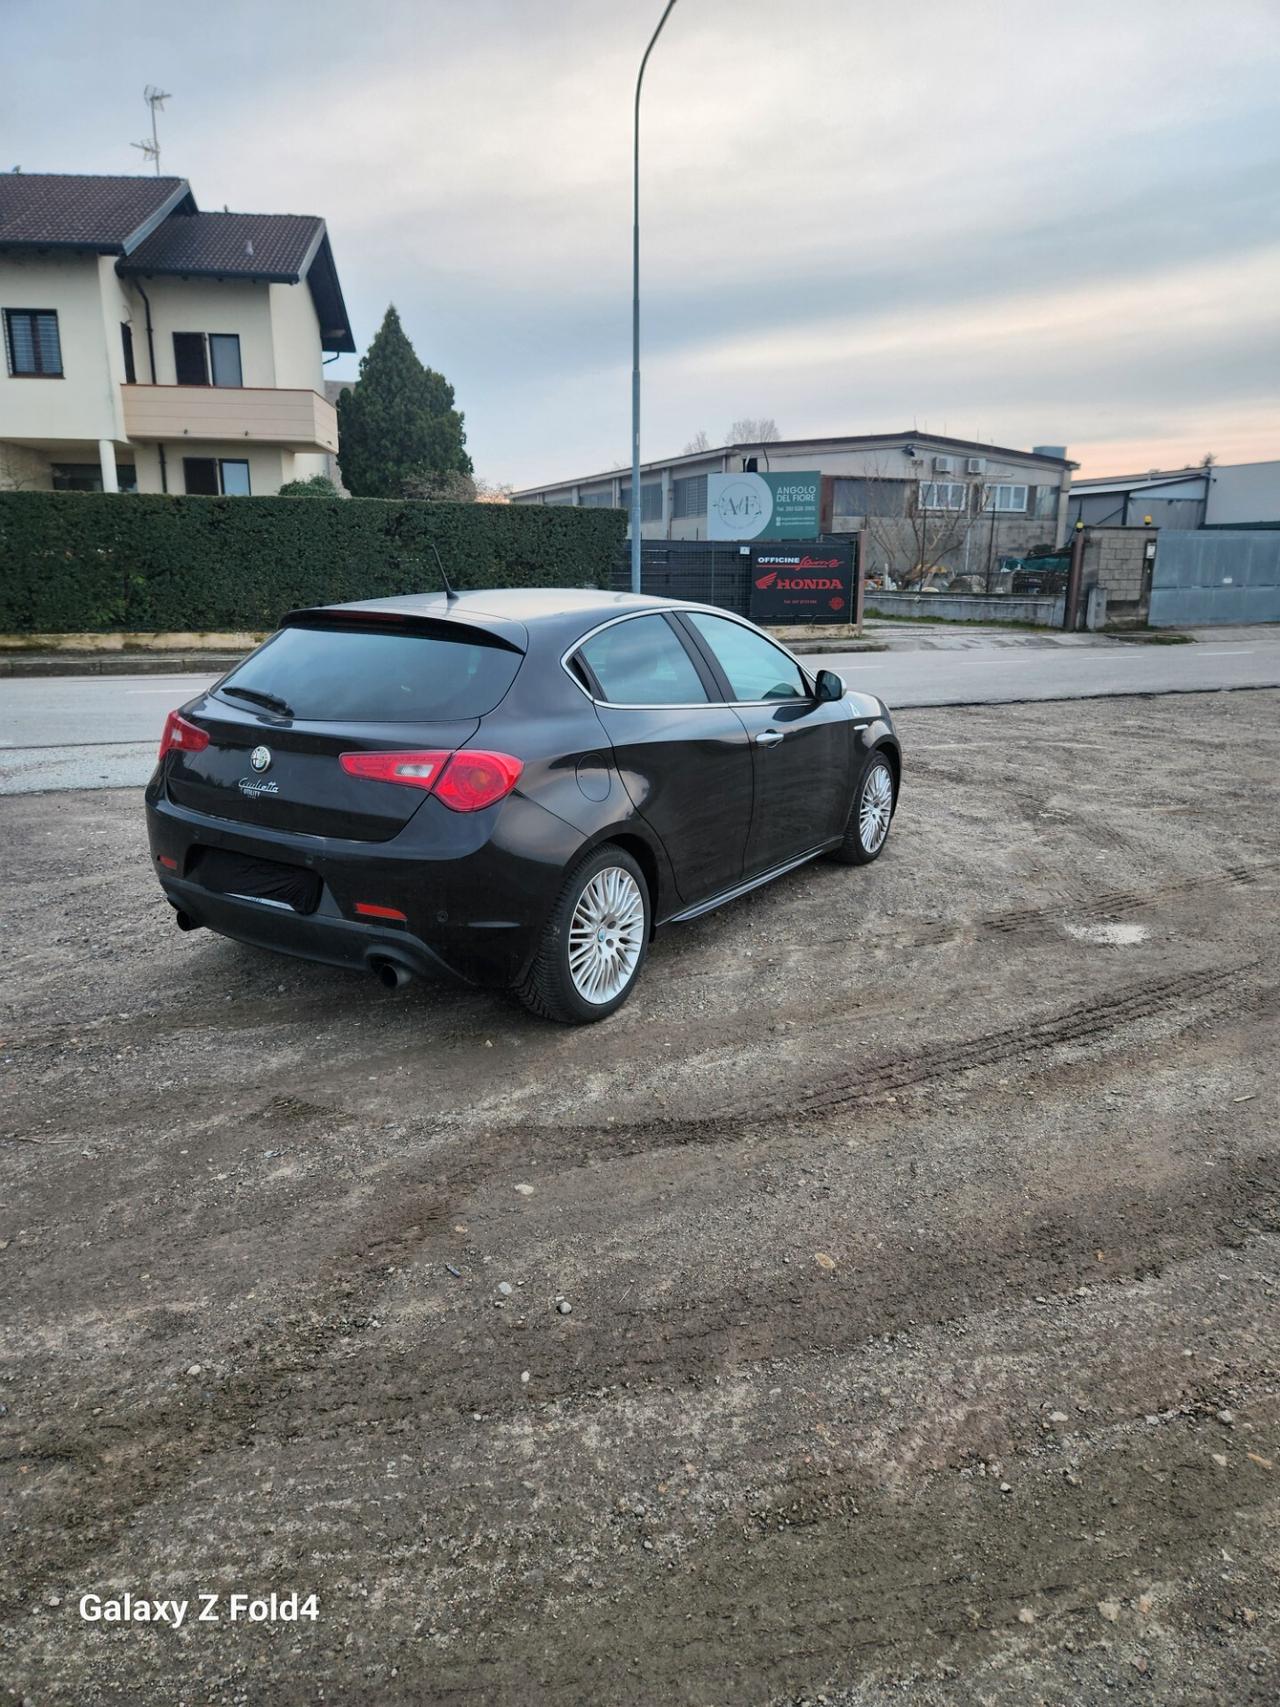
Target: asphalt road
{"type": "Point", "coordinates": [101, 732]}
{"type": "Point", "coordinates": [1000, 671]}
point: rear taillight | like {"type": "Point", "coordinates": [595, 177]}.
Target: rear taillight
{"type": "Point", "coordinates": [466, 781]}
{"type": "Point", "coordinates": [474, 780]}
{"type": "Point", "coordinates": [181, 736]}
{"type": "Point", "coordinates": [415, 770]}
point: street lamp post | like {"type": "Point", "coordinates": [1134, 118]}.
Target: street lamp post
{"type": "Point", "coordinates": [635, 314]}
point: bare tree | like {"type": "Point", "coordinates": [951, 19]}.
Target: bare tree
{"type": "Point", "coordinates": [441, 486]}
{"type": "Point", "coordinates": [698, 442]}
{"type": "Point", "coordinates": [919, 530]}
{"type": "Point", "coordinates": [752, 430]}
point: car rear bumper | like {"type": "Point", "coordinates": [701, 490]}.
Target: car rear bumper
{"type": "Point", "coordinates": [475, 894]}
{"type": "Point", "coordinates": [309, 936]}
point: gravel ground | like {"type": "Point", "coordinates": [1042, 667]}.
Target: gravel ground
{"type": "Point", "coordinates": [920, 1228]}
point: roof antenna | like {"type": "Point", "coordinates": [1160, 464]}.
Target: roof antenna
{"type": "Point", "coordinates": [155, 99]}
{"type": "Point", "coordinates": [449, 594]}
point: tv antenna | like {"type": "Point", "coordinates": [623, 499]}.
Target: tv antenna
{"type": "Point", "coordinates": [155, 99]}
{"type": "Point", "coordinates": [449, 594]}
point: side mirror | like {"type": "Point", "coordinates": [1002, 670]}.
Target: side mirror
{"type": "Point", "coordinates": [830, 687]}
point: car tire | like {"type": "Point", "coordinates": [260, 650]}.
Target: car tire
{"type": "Point", "coordinates": [871, 813]}
{"type": "Point", "coordinates": [571, 980]}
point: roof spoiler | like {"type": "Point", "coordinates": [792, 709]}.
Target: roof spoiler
{"type": "Point", "coordinates": [497, 630]}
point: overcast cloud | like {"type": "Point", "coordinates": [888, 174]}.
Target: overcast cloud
{"type": "Point", "coordinates": [1025, 223]}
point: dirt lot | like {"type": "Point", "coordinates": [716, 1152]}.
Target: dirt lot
{"type": "Point", "coordinates": [920, 1227]}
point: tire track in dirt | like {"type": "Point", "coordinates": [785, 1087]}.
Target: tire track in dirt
{"type": "Point", "coordinates": [469, 1365]}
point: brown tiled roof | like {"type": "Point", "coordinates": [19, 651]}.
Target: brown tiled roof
{"type": "Point", "coordinates": [69, 210]}
{"type": "Point", "coordinates": [254, 245]}
{"type": "Point", "coordinates": [281, 247]}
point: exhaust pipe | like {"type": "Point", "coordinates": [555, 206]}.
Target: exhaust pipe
{"type": "Point", "coordinates": [390, 975]}
{"type": "Point", "coordinates": [185, 922]}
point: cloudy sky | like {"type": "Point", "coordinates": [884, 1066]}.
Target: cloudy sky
{"type": "Point", "coordinates": [1017, 222]}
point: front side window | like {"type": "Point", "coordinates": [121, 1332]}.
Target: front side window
{"type": "Point", "coordinates": [642, 662]}
{"type": "Point", "coordinates": [755, 667]}
{"type": "Point", "coordinates": [32, 343]}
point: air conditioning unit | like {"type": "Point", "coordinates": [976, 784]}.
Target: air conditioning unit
{"type": "Point", "coordinates": [944, 465]}
{"type": "Point", "coordinates": [976, 465]}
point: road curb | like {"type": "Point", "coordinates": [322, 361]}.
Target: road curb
{"type": "Point", "coordinates": [117, 663]}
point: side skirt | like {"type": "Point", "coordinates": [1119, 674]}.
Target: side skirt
{"type": "Point", "coordinates": [726, 895]}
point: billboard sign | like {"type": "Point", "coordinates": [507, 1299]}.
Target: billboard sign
{"type": "Point", "coordinates": [793, 585]}
{"type": "Point", "coordinates": [763, 506]}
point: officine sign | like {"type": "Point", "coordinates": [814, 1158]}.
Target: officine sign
{"type": "Point", "coordinates": [763, 506]}
{"type": "Point", "coordinates": [791, 584]}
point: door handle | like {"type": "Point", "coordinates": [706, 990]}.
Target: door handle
{"type": "Point", "coordinates": [769, 738]}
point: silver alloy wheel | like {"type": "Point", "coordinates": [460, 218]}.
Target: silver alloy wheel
{"type": "Point", "coordinates": [606, 934]}
{"type": "Point", "coordinates": [876, 807]}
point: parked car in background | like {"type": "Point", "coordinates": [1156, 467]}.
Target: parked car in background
{"type": "Point", "coordinates": [514, 787]}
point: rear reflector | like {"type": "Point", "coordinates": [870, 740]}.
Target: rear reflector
{"type": "Point", "coordinates": [181, 736]}
{"type": "Point", "coordinates": [465, 781]}
{"type": "Point", "coordinates": [169, 864]}
{"type": "Point", "coordinates": [370, 910]}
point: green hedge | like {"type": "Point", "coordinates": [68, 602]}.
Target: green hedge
{"type": "Point", "coordinates": [72, 561]}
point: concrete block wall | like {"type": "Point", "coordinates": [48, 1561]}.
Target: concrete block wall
{"type": "Point", "coordinates": [1115, 558]}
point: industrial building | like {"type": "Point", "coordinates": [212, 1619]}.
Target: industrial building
{"type": "Point", "coordinates": [917, 499]}
{"type": "Point", "coordinates": [1240, 494]}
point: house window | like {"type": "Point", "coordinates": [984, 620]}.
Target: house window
{"type": "Point", "coordinates": [207, 358]}
{"type": "Point", "coordinates": [650, 500]}
{"type": "Point", "coordinates": [235, 478]}
{"type": "Point", "coordinates": [688, 496]}
{"type": "Point", "coordinates": [224, 358]}
{"type": "Point", "coordinates": [1006, 498]}
{"type": "Point", "coordinates": [596, 501]}
{"type": "Point", "coordinates": [942, 494]}
{"type": "Point", "coordinates": [213, 477]}
{"type": "Point", "coordinates": [87, 477]}
{"type": "Point", "coordinates": [190, 365]}
{"type": "Point", "coordinates": [32, 344]}
{"type": "Point", "coordinates": [126, 342]}
{"type": "Point", "coordinates": [868, 496]}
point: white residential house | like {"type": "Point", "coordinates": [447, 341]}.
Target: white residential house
{"type": "Point", "coordinates": [151, 347]}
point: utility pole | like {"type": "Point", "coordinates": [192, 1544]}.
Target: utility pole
{"type": "Point", "coordinates": [155, 99]}
{"type": "Point", "coordinates": [635, 314]}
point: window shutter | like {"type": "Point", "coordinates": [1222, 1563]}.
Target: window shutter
{"type": "Point", "coordinates": [189, 363]}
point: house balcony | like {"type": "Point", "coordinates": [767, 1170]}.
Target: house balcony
{"type": "Point", "coordinates": [230, 414]}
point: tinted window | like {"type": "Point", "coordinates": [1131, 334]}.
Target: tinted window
{"type": "Point", "coordinates": [755, 667]}
{"type": "Point", "coordinates": [372, 675]}
{"type": "Point", "coordinates": [641, 662]}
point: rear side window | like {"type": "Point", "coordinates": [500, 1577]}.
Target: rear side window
{"type": "Point", "coordinates": [756, 668]}
{"type": "Point", "coordinates": [374, 675]}
{"type": "Point", "coordinates": [641, 662]}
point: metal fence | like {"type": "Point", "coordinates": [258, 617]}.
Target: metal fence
{"type": "Point", "coordinates": [1208, 577]}
{"type": "Point", "coordinates": [709, 572]}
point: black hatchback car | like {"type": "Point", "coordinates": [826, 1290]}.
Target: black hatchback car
{"type": "Point", "coordinates": [515, 787]}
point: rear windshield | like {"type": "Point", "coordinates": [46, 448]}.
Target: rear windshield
{"type": "Point", "coordinates": [374, 675]}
